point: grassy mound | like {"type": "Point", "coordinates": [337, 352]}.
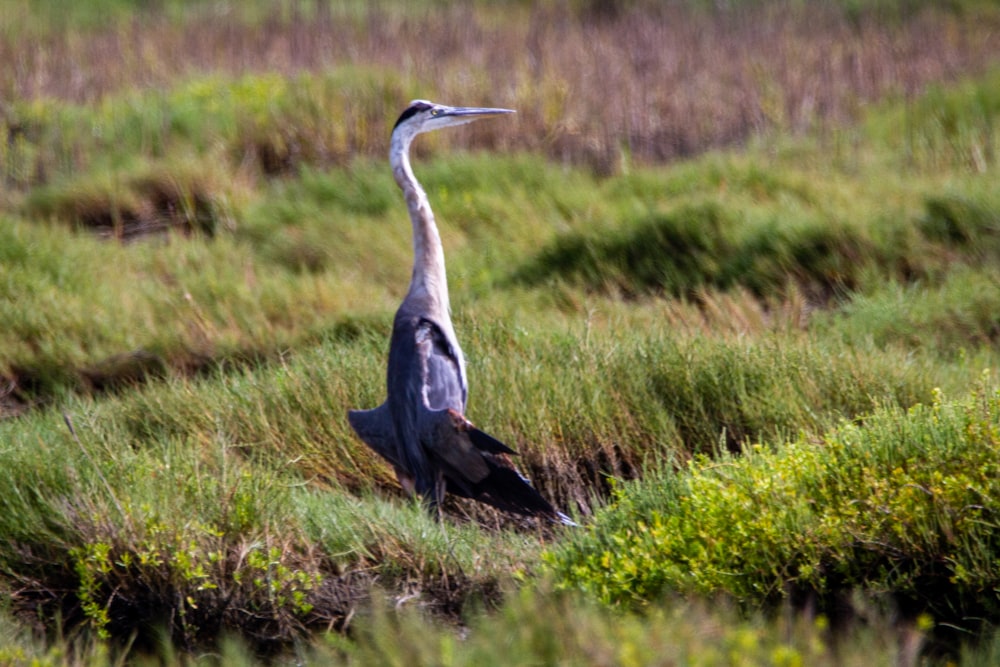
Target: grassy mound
{"type": "Point", "coordinates": [184, 197]}
{"type": "Point", "coordinates": [687, 250]}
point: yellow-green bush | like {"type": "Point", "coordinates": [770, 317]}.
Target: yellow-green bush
{"type": "Point", "coordinates": [902, 504]}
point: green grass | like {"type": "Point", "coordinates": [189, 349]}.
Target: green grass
{"type": "Point", "coordinates": [200, 533]}
{"type": "Point", "coordinates": [955, 319]}
{"type": "Point", "coordinates": [173, 487]}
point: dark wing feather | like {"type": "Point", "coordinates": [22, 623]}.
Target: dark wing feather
{"type": "Point", "coordinates": [475, 466]}
{"type": "Point", "coordinates": [506, 489]}
{"type": "Point", "coordinates": [487, 443]}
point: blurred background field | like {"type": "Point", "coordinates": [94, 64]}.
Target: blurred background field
{"type": "Point", "coordinates": [728, 282]}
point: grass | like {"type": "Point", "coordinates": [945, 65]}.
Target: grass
{"type": "Point", "coordinates": [292, 264]}
{"type": "Point", "coordinates": [954, 318]}
{"type": "Point", "coordinates": [755, 376]}
{"type": "Point", "coordinates": [241, 456]}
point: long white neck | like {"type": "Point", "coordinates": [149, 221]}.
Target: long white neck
{"type": "Point", "coordinates": [429, 281]}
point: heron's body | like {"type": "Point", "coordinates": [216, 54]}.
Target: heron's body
{"type": "Point", "coordinates": [421, 428]}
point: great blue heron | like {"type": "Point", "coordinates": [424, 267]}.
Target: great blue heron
{"type": "Point", "coordinates": [421, 427]}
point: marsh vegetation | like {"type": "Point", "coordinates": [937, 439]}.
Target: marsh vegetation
{"type": "Point", "coordinates": [729, 284]}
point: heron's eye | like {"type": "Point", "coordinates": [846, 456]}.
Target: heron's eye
{"type": "Point", "coordinates": [435, 112]}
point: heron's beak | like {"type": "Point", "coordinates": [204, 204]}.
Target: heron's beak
{"type": "Point", "coordinates": [461, 115]}
{"type": "Point", "coordinates": [480, 112]}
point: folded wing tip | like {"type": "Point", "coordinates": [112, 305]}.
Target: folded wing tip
{"type": "Point", "coordinates": [565, 520]}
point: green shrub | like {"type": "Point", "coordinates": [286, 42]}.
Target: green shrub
{"type": "Point", "coordinates": [134, 540]}
{"type": "Point", "coordinates": [949, 127]}
{"type": "Point", "coordinates": [901, 505]}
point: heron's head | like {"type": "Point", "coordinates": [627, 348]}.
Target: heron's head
{"type": "Point", "coordinates": [423, 116]}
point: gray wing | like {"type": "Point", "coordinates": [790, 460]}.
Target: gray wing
{"type": "Point", "coordinates": [426, 374]}
{"type": "Point", "coordinates": [374, 427]}
{"type": "Point", "coordinates": [441, 368]}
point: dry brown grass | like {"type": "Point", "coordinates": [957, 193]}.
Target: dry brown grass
{"type": "Point", "coordinates": [647, 82]}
